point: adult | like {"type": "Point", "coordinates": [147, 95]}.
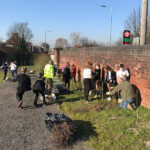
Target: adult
{"type": "Point", "coordinates": [49, 75]}
{"type": "Point", "coordinates": [5, 68]}
{"type": "Point", "coordinates": [87, 74]}
{"type": "Point", "coordinates": [97, 80]}
{"type": "Point", "coordinates": [126, 91]}
{"type": "Point", "coordinates": [79, 75]}
{"type": "Point", "coordinates": [67, 75]}
{"type": "Point", "coordinates": [59, 71]}
{"type": "Point", "coordinates": [92, 78]}
{"type": "Point", "coordinates": [24, 84]}
{"type": "Point", "coordinates": [13, 68]}
{"type": "Point", "coordinates": [74, 73]}
{"type": "Point", "coordinates": [123, 73]}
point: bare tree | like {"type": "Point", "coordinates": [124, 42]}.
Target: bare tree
{"type": "Point", "coordinates": [61, 43]}
{"type": "Point", "coordinates": [22, 29]}
{"type": "Point", "coordinates": [46, 46]}
{"type": "Point", "coordinates": [119, 41]}
{"type": "Point", "coordinates": [22, 34]}
{"type": "Point", "coordinates": [75, 37]}
{"type": "Point", "coordinates": [133, 22]}
{"type": "Point", "coordinates": [85, 42]}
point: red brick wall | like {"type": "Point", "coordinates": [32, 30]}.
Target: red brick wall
{"type": "Point", "coordinates": [137, 59]}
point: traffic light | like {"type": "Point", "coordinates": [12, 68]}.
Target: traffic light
{"type": "Point", "coordinates": [126, 37]}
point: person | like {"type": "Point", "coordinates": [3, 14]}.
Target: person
{"type": "Point", "coordinates": [24, 84]}
{"type": "Point", "coordinates": [127, 92]}
{"type": "Point", "coordinates": [39, 88]}
{"type": "Point", "coordinates": [74, 73]}
{"type": "Point", "coordinates": [16, 71]}
{"type": "Point", "coordinates": [97, 80]}
{"type": "Point", "coordinates": [49, 75]}
{"type": "Point", "coordinates": [5, 67]}
{"type": "Point", "coordinates": [13, 68]}
{"type": "Point", "coordinates": [123, 73]}
{"type": "Point", "coordinates": [87, 74]}
{"type": "Point", "coordinates": [59, 71]}
{"type": "Point", "coordinates": [79, 75]}
{"type": "Point", "coordinates": [92, 78]}
{"type": "Point", "coordinates": [67, 75]}
{"type": "Point", "coordinates": [110, 78]}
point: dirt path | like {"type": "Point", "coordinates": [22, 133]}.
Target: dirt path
{"type": "Point", "coordinates": [24, 129]}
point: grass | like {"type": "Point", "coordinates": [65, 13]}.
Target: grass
{"type": "Point", "coordinates": [35, 68]}
{"type": "Point", "coordinates": [2, 75]}
{"type": "Point", "coordinates": [109, 127]}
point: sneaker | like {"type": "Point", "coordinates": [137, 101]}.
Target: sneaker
{"type": "Point", "coordinates": [90, 93]}
{"type": "Point", "coordinates": [20, 104]}
{"type": "Point", "coordinates": [86, 101]}
{"type": "Point", "coordinates": [95, 96]}
{"type": "Point", "coordinates": [41, 98]}
{"type": "Point", "coordinates": [131, 106]}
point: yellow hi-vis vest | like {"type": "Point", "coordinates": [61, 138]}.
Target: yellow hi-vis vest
{"type": "Point", "coordinates": [49, 71]}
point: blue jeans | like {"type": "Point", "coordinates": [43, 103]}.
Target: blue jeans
{"type": "Point", "coordinates": [125, 103]}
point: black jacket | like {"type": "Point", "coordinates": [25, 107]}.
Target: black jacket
{"type": "Point", "coordinates": [97, 74]}
{"type": "Point", "coordinates": [39, 86]}
{"type": "Point", "coordinates": [67, 73]}
{"type": "Point", "coordinates": [24, 82]}
{"type": "Point", "coordinates": [5, 67]}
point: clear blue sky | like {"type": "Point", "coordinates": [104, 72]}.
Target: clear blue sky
{"type": "Point", "coordinates": [65, 16]}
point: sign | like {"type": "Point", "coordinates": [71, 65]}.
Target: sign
{"type": "Point", "coordinates": [126, 37]}
{"type": "Point", "coordinates": [136, 40]}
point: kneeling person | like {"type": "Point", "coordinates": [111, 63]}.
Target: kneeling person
{"type": "Point", "coordinates": [126, 91]}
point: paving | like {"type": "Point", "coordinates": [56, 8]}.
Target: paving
{"type": "Point", "coordinates": [24, 129]}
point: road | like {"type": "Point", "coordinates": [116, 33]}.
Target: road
{"type": "Point", "coordinates": [24, 129]}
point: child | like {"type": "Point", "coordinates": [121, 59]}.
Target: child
{"type": "Point", "coordinates": [24, 84]}
{"type": "Point", "coordinates": [5, 67]}
{"type": "Point", "coordinates": [39, 88]}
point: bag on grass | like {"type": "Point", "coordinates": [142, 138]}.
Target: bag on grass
{"type": "Point", "coordinates": [55, 118]}
{"type": "Point", "coordinates": [60, 89]}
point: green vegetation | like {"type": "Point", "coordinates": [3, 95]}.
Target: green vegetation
{"type": "Point", "coordinates": [103, 125]}
{"type": "Point", "coordinates": [2, 75]}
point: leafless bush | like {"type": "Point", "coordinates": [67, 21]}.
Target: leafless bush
{"type": "Point", "coordinates": [63, 134]}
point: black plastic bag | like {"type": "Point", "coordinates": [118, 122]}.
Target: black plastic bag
{"type": "Point", "coordinates": [55, 118]}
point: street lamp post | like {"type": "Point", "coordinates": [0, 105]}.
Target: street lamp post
{"type": "Point", "coordinates": [110, 20]}
{"type": "Point", "coordinates": [45, 38]}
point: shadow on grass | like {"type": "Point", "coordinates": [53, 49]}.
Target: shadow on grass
{"type": "Point", "coordinates": [62, 99]}
{"type": "Point", "coordinates": [84, 130]}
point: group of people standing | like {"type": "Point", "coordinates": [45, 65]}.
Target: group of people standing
{"type": "Point", "coordinates": [117, 82]}
{"type": "Point", "coordinates": [67, 72]}
{"type": "Point", "coordinates": [12, 67]}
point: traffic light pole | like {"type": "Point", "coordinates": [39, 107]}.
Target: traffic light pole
{"type": "Point", "coordinates": [144, 22]}
{"type": "Point", "coordinates": [110, 23]}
